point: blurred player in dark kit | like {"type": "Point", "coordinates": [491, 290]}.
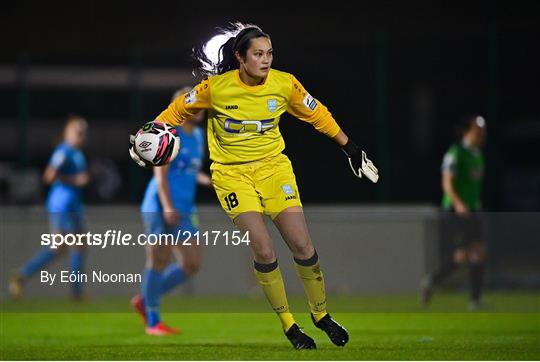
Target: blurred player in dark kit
{"type": "Point", "coordinates": [462, 175]}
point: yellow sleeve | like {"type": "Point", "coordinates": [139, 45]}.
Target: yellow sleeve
{"type": "Point", "coordinates": [308, 109]}
{"type": "Point", "coordinates": [187, 105]}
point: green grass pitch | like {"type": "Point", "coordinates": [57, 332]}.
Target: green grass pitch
{"type": "Point", "coordinates": [381, 328]}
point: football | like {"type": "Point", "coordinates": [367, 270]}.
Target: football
{"type": "Point", "coordinates": [157, 143]}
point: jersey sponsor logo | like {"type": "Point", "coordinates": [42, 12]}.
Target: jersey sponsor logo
{"type": "Point", "coordinates": [236, 126]}
{"type": "Point", "coordinates": [233, 106]}
{"type": "Point", "coordinates": [310, 102]}
{"type": "Point", "coordinates": [272, 105]}
{"type": "Point", "coordinates": [190, 97]}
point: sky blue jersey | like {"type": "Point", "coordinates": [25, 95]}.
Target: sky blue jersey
{"type": "Point", "coordinates": [64, 197]}
{"type": "Point", "coordinates": [182, 175]}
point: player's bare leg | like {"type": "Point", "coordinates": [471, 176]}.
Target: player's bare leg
{"type": "Point", "coordinates": [189, 256]}
{"type": "Point", "coordinates": [157, 257]}
{"type": "Point", "coordinates": [261, 243]}
{"type": "Point", "coordinates": [269, 276]}
{"type": "Point", "coordinates": [292, 226]}
{"type": "Point", "coordinates": [291, 223]}
{"type": "Point", "coordinates": [460, 256]}
{"type": "Point", "coordinates": [430, 281]}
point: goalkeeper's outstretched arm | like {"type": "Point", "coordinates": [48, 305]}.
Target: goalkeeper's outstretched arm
{"type": "Point", "coordinates": [308, 109]}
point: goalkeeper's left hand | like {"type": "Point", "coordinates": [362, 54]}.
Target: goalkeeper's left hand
{"type": "Point", "coordinates": [359, 162]}
{"type": "Point", "coordinates": [134, 155]}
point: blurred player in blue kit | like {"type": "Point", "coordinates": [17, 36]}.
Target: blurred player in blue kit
{"type": "Point", "coordinates": [67, 173]}
{"type": "Point", "coordinates": [167, 208]}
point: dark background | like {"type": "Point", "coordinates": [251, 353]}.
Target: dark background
{"type": "Point", "coordinates": [397, 77]}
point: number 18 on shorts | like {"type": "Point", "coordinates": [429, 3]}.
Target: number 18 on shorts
{"type": "Point", "coordinates": [267, 186]}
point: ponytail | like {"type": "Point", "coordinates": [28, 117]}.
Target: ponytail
{"type": "Point", "coordinates": [217, 56]}
{"type": "Point", "coordinates": [227, 60]}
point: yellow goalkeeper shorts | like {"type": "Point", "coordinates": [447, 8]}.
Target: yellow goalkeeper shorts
{"type": "Point", "coordinates": [267, 186]}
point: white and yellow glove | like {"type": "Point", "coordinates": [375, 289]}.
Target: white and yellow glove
{"type": "Point", "coordinates": [360, 164]}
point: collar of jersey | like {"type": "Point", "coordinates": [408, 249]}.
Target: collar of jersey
{"type": "Point", "coordinates": [252, 88]}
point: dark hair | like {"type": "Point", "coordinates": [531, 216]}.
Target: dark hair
{"type": "Point", "coordinates": [465, 124]}
{"type": "Point", "coordinates": [240, 43]}
{"type": "Point", "coordinates": [239, 39]}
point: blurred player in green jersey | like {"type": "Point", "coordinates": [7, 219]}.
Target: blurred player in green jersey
{"type": "Point", "coordinates": [462, 175]}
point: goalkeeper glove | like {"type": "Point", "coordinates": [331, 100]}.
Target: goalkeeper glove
{"type": "Point", "coordinates": [134, 155]}
{"type": "Point", "coordinates": [359, 162]}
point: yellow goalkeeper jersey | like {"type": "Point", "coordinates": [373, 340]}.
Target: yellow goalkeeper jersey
{"type": "Point", "coordinates": [243, 121]}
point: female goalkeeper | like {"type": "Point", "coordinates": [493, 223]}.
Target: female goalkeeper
{"type": "Point", "coordinates": [245, 99]}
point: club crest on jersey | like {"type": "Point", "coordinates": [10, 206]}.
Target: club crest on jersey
{"type": "Point", "coordinates": [272, 105]}
{"type": "Point", "coordinates": [310, 102]}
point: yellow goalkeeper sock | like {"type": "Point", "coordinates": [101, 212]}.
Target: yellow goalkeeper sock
{"type": "Point", "coordinates": [269, 277]}
{"type": "Point", "coordinates": [311, 276]}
